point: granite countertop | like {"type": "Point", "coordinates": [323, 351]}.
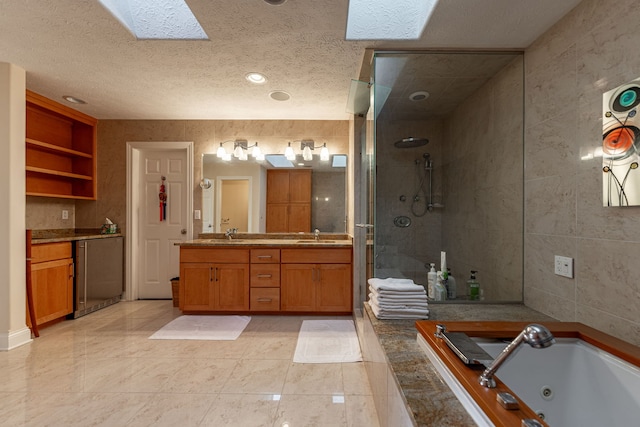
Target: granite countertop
{"type": "Point", "coordinates": [68, 235]}
{"type": "Point", "coordinates": [330, 240]}
{"type": "Point", "coordinates": [428, 398]}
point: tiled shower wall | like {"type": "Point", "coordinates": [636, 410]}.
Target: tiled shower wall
{"type": "Point", "coordinates": [403, 252]}
{"type": "Point", "coordinates": [482, 220]}
{"type": "Point", "coordinates": [592, 50]}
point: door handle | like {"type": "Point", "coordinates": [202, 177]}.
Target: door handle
{"type": "Point", "coordinates": [364, 225]}
{"type": "Point", "coordinates": [183, 231]}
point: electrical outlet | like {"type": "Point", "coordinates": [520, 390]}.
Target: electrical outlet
{"type": "Point", "coordinates": [196, 214]}
{"type": "Point", "coordinates": [564, 266]}
{"type": "Point", "coordinates": [65, 214]}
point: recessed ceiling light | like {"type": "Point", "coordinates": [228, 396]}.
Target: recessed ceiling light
{"type": "Point", "coordinates": [275, 2]}
{"type": "Point", "coordinates": [279, 95]}
{"type": "Point", "coordinates": [256, 78]}
{"type": "Point", "coordinates": [420, 95]}
{"type": "Point", "coordinates": [74, 100]}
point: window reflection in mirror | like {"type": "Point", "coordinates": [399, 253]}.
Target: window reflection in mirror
{"type": "Point", "coordinates": [328, 194]}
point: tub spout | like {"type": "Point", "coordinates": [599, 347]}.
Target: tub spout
{"type": "Point", "coordinates": [537, 336]}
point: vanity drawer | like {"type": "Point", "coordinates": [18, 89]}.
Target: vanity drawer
{"type": "Point", "coordinates": [265, 299]}
{"type": "Point", "coordinates": [233, 256]}
{"type": "Point", "coordinates": [265, 256]}
{"type": "Point", "coordinates": [265, 276]}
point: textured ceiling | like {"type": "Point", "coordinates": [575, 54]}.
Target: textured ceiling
{"type": "Point", "coordinates": [75, 47]}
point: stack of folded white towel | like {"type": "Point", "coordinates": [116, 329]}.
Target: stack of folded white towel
{"type": "Point", "coordinates": [397, 299]}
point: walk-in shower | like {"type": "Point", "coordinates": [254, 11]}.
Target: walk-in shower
{"type": "Point", "coordinates": [463, 193]}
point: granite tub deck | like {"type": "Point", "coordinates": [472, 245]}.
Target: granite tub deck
{"type": "Point", "coordinates": [407, 388]}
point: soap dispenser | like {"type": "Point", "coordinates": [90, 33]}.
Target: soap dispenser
{"type": "Point", "coordinates": [474, 287]}
{"type": "Point", "coordinates": [431, 281]}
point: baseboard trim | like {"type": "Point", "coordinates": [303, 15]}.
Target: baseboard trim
{"type": "Point", "coordinates": [13, 339]}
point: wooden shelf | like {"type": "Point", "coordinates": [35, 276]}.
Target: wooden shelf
{"type": "Point", "coordinates": [60, 150]}
{"type": "Point", "coordinates": [58, 173]}
{"type": "Point", "coordinates": [57, 149]}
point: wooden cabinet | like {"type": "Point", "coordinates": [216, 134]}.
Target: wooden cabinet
{"type": "Point", "coordinates": [316, 280]}
{"type": "Point", "coordinates": [52, 281]}
{"type": "Point", "coordinates": [214, 279]}
{"type": "Point", "coordinates": [288, 201]}
{"type": "Point", "coordinates": [265, 280]}
{"type": "Point", "coordinates": [60, 150]}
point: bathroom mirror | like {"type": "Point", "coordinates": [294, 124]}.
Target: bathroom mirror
{"type": "Point", "coordinates": [449, 156]}
{"type": "Point", "coordinates": [328, 193]}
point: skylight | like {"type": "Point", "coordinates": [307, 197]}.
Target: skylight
{"type": "Point", "coordinates": [388, 19]}
{"type": "Point", "coordinates": [156, 19]}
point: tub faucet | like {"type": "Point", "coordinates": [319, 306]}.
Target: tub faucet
{"type": "Point", "coordinates": [230, 232]}
{"type": "Point", "coordinates": [537, 336]}
{"type": "Point", "coordinates": [316, 234]}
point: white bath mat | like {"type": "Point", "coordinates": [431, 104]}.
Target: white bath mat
{"type": "Point", "coordinates": [203, 328]}
{"type": "Point", "coordinates": [327, 341]}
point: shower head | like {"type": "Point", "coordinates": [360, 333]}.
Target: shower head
{"type": "Point", "coordinates": [537, 336]}
{"type": "Point", "coordinates": [411, 142]}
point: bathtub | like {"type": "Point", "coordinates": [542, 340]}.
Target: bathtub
{"type": "Point", "coordinates": [586, 379]}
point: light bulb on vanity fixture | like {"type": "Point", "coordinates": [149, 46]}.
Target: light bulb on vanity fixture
{"type": "Point", "coordinates": [221, 151]}
{"type": "Point", "coordinates": [307, 145]}
{"type": "Point", "coordinates": [289, 154]}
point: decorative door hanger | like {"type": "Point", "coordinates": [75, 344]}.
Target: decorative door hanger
{"type": "Point", "coordinates": [620, 146]}
{"type": "Point", "coordinates": [163, 200]}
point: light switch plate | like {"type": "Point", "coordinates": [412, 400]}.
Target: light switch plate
{"type": "Point", "coordinates": [563, 266]}
{"type": "Point", "coordinates": [196, 214]}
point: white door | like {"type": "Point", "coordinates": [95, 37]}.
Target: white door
{"type": "Point", "coordinates": [234, 207]}
{"type": "Point", "coordinates": [161, 227]}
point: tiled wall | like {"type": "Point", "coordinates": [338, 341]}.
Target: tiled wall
{"type": "Point", "coordinates": [482, 220]}
{"type": "Point", "coordinates": [403, 252]}
{"type": "Point", "coordinates": [592, 50]}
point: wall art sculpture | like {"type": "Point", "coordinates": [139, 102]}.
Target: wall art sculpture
{"type": "Point", "coordinates": [620, 146]}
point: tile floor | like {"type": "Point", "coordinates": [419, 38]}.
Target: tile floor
{"type": "Point", "coordinates": [102, 370]}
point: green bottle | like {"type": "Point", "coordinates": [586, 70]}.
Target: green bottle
{"type": "Point", "coordinates": [474, 287]}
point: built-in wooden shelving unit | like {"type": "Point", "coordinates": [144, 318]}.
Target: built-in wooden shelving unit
{"type": "Point", "coordinates": [60, 150]}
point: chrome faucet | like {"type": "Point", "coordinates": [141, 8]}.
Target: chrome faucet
{"type": "Point", "coordinates": [537, 336]}
{"type": "Point", "coordinates": [230, 232]}
{"type": "Point", "coordinates": [316, 234]}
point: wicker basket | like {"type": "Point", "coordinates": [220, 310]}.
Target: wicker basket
{"type": "Point", "coordinates": [175, 288]}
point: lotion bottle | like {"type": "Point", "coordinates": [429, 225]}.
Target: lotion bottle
{"type": "Point", "coordinates": [440, 290]}
{"type": "Point", "coordinates": [452, 292]}
{"type": "Point", "coordinates": [431, 281]}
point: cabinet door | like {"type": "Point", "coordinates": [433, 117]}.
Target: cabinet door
{"type": "Point", "coordinates": [277, 218]}
{"type": "Point", "coordinates": [52, 289]}
{"type": "Point", "coordinates": [300, 186]}
{"type": "Point", "coordinates": [232, 286]}
{"type": "Point", "coordinates": [298, 290]}
{"type": "Point", "coordinates": [196, 287]}
{"type": "Point", "coordinates": [334, 290]}
{"type": "Point", "coordinates": [277, 186]}
{"type": "Point", "coordinates": [299, 218]}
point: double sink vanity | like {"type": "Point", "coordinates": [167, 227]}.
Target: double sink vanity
{"type": "Point", "coordinates": [266, 273]}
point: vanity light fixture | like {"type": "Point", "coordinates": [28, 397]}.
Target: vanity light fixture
{"type": "Point", "coordinates": [307, 145]}
{"type": "Point", "coordinates": [221, 151]}
{"type": "Point", "coordinates": [289, 154]}
{"type": "Point", "coordinates": [256, 78]}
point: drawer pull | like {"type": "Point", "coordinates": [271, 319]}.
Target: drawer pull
{"type": "Point", "coordinates": [265, 276]}
{"type": "Point", "coordinates": [265, 256]}
{"type": "Point", "coordinates": [264, 300]}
